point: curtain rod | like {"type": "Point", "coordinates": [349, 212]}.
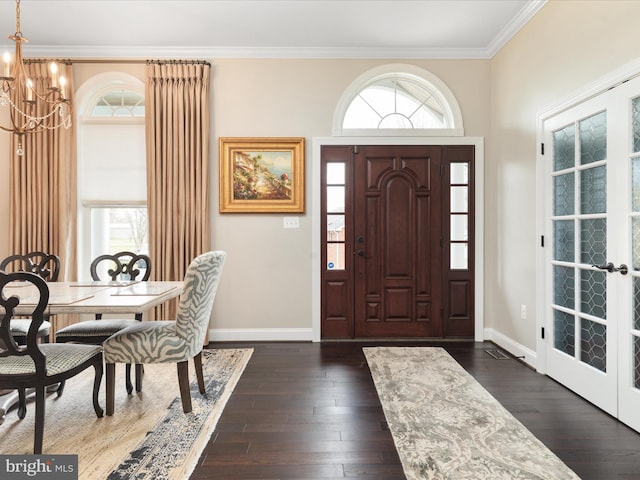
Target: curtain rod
{"type": "Point", "coordinates": [125, 61]}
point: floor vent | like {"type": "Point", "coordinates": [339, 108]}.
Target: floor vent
{"type": "Point", "coordinates": [498, 354]}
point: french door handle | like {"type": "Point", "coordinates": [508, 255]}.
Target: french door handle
{"type": "Point", "coordinates": [610, 267]}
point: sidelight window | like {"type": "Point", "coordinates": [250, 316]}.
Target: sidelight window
{"type": "Point", "coordinates": [335, 215]}
{"type": "Point", "coordinates": [459, 215]}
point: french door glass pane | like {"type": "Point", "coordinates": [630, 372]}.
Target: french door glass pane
{"type": "Point", "coordinates": [564, 335]}
{"type": "Point", "coordinates": [635, 184]}
{"type": "Point", "coordinates": [635, 232]}
{"type": "Point", "coordinates": [635, 120]}
{"type": "Point", "coordinates": [564, 194]}
{"type": "Point", "coordinates": [593, 344]}
{"type": "Point", "coordinates": [593, 293]}
{"type": "Point", "coordinates": [564, 148]}
{"type": "Point", "coordinates": [593, 138]}
{"type": "Point", "coordinates": [564, 286]}
{"type": "Point", "coordinates": [636, 303]}
{"type": "Point", "coordinates": [593, 240]}
{"type": "Point", "coordinates": [636, 362]}
{"type": "Point", "coordinates": [564, 240]}
{"type": "Point", "coordinates": [593, 190]}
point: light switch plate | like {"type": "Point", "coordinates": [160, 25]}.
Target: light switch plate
{"type": "Point", "coordinates": [291, 222]}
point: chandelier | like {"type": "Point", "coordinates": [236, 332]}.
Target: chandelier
{"type": "Point", "coordinates": [31, 110]}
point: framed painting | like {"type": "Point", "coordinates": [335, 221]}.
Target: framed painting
{"type": "Point", "coordinates": [261, 175]}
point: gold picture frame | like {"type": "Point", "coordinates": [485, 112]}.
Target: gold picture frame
{"type": "Point", "coordinates": [261, 175]}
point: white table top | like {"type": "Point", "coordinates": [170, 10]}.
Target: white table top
{"type": "Point", "coordinates": [97, 297]}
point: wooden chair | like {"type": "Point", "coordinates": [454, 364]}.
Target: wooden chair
{"type": "Point", "coordinates": [46, 266]}
{"type": "Point", "coordinates": [39, 365]}
{"type": "Point", "coordinates": [119, 266]}
{"type": "Point", "coordinates": [171, 341]}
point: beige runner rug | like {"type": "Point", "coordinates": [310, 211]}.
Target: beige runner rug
{"type": "Point", "coordinates": [446, 426]}
{"type": "Point", "coordinates": [148, 437]}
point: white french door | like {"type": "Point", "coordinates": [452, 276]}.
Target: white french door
{"type": "Point", "coordinates": [592, 165]}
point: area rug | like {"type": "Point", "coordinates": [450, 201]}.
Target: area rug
{"type": "Point", "coordinates": [446, 426]}
{"type": "Point", "coordinates": [148, 437]}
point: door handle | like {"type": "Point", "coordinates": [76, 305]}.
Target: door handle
{"type": "Point", "coordinates": [610, 267]}
{"type": "Point", "coordinates": [360, 253]}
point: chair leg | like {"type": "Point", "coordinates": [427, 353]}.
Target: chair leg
{"type": "Point", "coordinates": [22, 403]}
{"type": "Point", "coordinates": [96, 388]}
{"type": "Point", "coordinates": [39, 427]}
{"type": "Point", "coordinates": [60, 388]}
{"type": "Point", "coordinates": [139, 374]}
{"type": "Point", "coordinates": [183, 381]}
{"type": "Point", "coordinates": [110, 387]}
{"type": "Point", "coordinates": [128, 379]}
{"type": "Point", "coordinates": [197, 361]}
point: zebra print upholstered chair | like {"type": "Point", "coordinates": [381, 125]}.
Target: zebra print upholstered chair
{"type": "Point", "coordinates": [167, 341]}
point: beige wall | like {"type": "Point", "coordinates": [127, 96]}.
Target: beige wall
{"type": "Point", "coordinates": [267, 282]}
{"type": "Point", "coordinates": [267, 279]}
{"type": "Point", "coordinates": [566, 47]}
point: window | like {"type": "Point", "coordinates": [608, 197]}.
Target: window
{"type": "Point", "coordinates": [119, 103]}
{"type": "Point", "coordinates": [335, 215]}
{"type": "Point", "coordinates": [118, 228]}
{"type": "Point", "coordinates": [398, 100]}
{"type": "Point", "coordinates": [459, 215]}
{"type": "Point", "coordinates": [395, 102]}
{"type": "Point", "coordinates": [112, 191]}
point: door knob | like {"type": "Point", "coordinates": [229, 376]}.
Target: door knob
{"type": "Point", "coordinates": [610, 267]}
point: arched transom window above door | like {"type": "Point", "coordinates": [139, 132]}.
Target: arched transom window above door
{"type": "Point", "coordinates": [398, 100]}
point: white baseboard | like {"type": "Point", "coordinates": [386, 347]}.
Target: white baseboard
{"type": "Point", "coordinates": [525, 354]}
{"type": "Point", "coordinates": [260, 335]}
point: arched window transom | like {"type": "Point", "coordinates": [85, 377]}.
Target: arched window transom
{"type": "Point", "coordinates": [395, 102]}
{"type": "Point", "coordinates": [398, 100]}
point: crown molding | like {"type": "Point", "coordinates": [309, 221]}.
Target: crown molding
{"type": "Point", "coordinates": [507, 33]}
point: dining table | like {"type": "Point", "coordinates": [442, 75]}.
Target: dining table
{"type": "Point", "coordinates": [106, 297]}
{"type": "Point", "coordinates": [89, 297]}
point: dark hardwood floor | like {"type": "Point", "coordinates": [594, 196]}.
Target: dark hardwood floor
{"type": "Point", "coordinates": [310, 411]}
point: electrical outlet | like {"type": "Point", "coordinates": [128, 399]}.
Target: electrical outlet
{"type": "Point", "coordinates": [523, 312]}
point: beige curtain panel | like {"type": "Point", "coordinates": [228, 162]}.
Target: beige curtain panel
{"type": "Point", "coordinates": [177, 148]}
{"type": "Point", "coordinates": [43, 184]}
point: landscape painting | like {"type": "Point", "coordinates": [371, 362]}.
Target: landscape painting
{"type": "Point", "coordinates": [264, 175]}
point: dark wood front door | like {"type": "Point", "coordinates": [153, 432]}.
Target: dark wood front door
{"type": "Point", "coordinates": [390, 235]}
{"type": "Point", "coordinates": [398, 229]}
